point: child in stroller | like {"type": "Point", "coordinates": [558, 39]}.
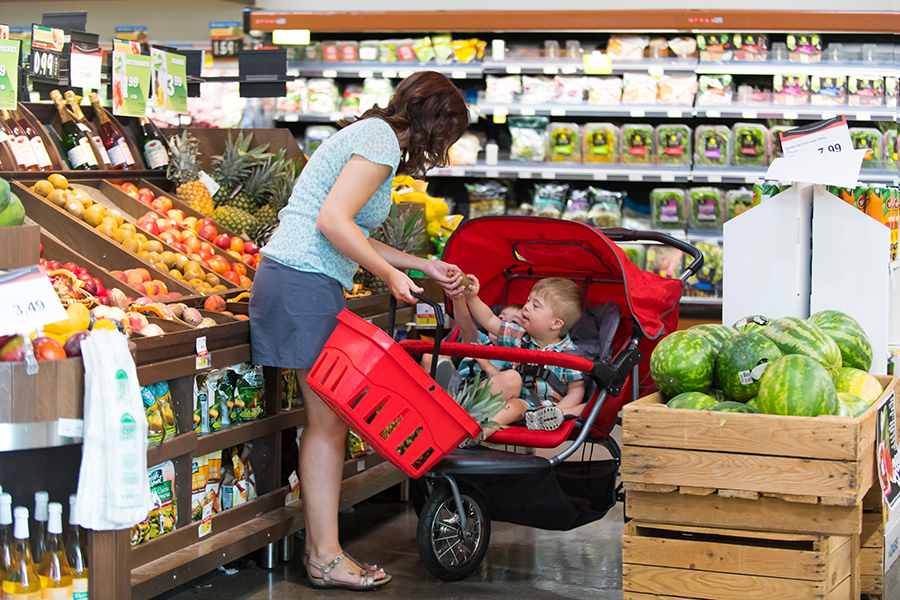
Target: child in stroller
{"type": "Point", "coordinates": [547, 394]}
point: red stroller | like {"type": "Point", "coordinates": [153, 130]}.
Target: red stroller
{"type": "Point", "coordinates": [399, 410]}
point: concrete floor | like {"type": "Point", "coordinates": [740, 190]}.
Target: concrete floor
{"type": "Point", "coordinates": [521, 563]}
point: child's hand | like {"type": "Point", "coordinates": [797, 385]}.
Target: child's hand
{"type": "Point", "coordinates": [474, 287]}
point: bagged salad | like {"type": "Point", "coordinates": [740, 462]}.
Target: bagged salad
{"type": "Point", "coordinates": [578, 206]}
{"type": "Point", "coordinates": [549, 199]}
{"type": "Point", "coordinates": [249, 391]}
{"type": "Point", "coordinates": [890, 149]}
{"type": "Point", "coordinates": [377, 91]}
{"type": "Point", "coordinates": [677, 89]}
{"type": "Point", "coordinates": [738, 202]}
{"type": "Point", "coordinates": [627, 47]}
{"type": "Point", "coordinates": [637, 143]}
{"type": "Point", "coordinates": [603, 90]}
{"type": "Point", "coordinates": [529, 138]}
{"type": "Point", "coordinates": [790, 89]}
{"type": "Point", "coordinates": [639, 88]}
{"type": "Point", "coordinates": [751, 145]}
{"type": "Point", "coordinates": [668, 208]}
{"type": "Point", "coordinates": [706, 208]}
{"type": "Point", "coordinates": [568, 90]}
{"type": "Point", "coordinates": [601, 142]}
{"type": "Point", "coordinates": [777, 151]}
{"type": "Point", "coordinates": [715, 90]}
{"type": "Point", "coordinates": [866, 90]}
{"type": "Point", "coordinates": [564, 142]}
{"type": "Point", "coordinates": [486, 198]}
{"type": "Point", "coordinates": [870, 139]}
{"type": "Point", "coordinates": [750, 46]}
{"type": "Point", "coordinates": [715, 46]}
{"type": "Point", "coordinates": [673, 145]}
{"type": "Point", "coordinates": [713, 145]}
{"type": "Point", "coordinates": [155, 429]}
{"type": "Point", "coordinates": [321, 96]}
{"type": "Point", "coordinates": [828, 90]}
{"type": "Point", "coordinates": [804, 47]}
{"type": "Point", "coordinates": [537, 89]}
{"type": "Point", "coordinates": [502, 90]}
{"type": "Point", "coordinates": [663, 261]}
{"type": "Point", "coordinates": [606, 208]}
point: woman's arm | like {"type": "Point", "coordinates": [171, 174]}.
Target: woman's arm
{"type": "Point", "coordinates": [444, 274]}
{"type": "Point", "coordinates": [357, 182]}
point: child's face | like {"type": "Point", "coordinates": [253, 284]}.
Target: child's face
{"type": "Point", "coordinates": [538, 318]}
{"type": "Point", "coordinates": [511, 314]}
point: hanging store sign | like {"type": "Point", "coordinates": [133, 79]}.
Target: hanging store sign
{"type": "Point", "coordinates": [227, 38]}
{"type": "Point", "coordinates": [131, 84]}
{"type": "Point", "coordinates": [46, 49]}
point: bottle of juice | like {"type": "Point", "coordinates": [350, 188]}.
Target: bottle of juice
{"type": "Point", "coordinates": [7, 541]}
{"type": "Point", "coordinates": [76, 554]}
{"type": "Point", "coordinates": [21, 581]}
{"type": "Point", "coordinates": [39, 536]}
{"type": "Point", "coordinates": [54, 572]}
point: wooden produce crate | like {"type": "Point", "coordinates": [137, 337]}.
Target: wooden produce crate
{"type": "Point", "coordinates": [672, 562]}
{"type": "Point", "coordinates": [20, 246]}
{"type": "Point", "coordinates": [212, 141]}
{"type": "Point", "coordinates": [56, 250]}
{"type": "Point", "coordinates": [811, 462]}
{"type": "Point", "coordinates": [871, 554]}
{"type": "Point", "coordinates": [156, 187]}
{"type": "Point", "coordinates": [55, 392]}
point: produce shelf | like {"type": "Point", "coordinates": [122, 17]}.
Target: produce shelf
{"type": "Point", "coordinates": [701, 300]}
{"type": "Point", "coordinates": [181, 444]}
{"type": "Point", "coordinates": [783, 67]}
{"type": "Point", "coordinates": [580, 171]}
{"type": "Point", "coordinates": [391, 70]}
{"type": "Point", "coordinates": [670, 111]}
{"type": "Point", "coordinates": [795, 112]}
{"type": "Point", "coordinates": [573, 66]}
{"type": "Point", "coordinates": [702, 174]}
{"type": "Point", "coordinates": [230, 436]}
{"type": "Point", "coordinates": [309, 118]}
{"type": "Point", "coordinates": [187, 365]}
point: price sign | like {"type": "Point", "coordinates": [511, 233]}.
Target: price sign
{"type": "Point", "coordinates": [9, 73]}
{"type": "Point", "coordinates": [27, 301]}
{"type": "Point", "coordinates": [831, 137]}
{"type": "Point", "coordinates": [85, 63]}
{"type": "Point", "coordinates": [169, 79]}
{"type": "Point", "coordinates": [227, 38]}
{"type": "Point", "coordinates": [4, 32]}
{"type": "Point", "coordinates": [820, 152]}
{"type": "Point", "coordinates": [46, 48]}
{"type": "Point", "coordinates": [131, 84]}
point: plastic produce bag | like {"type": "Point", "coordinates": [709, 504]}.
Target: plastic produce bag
{"type": "Point", "coordinates": [529, 138]}
{"type": "Point", "coordinates": [502, 90]}
{"type": "Point", "coordinates": [606, 208]}
{"type": "Point", "coordinates": [603, 90]}
{"type": "Point", "coordinates": [639, 88]}
{"type": "Point", "coordinates": [113, 491]}
{"type": "Point", "coordinates": [249, 391]}
{"type": "Point", "coordinates": [627, 47]}
{"type": "Point", "coordinates": [537, 89]}
{"type": "Point", "coordinates": [549, 199]}
{"type": "Point", "coordinates": [464, 152]}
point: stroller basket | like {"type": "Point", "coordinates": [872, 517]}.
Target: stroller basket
{"type": "Point", "coordinates": [413, 423]}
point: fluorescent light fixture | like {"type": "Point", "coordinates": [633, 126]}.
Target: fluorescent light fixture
{"type": "Point", "coordinates": [290, 37]}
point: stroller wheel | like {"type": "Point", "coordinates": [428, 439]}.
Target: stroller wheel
{"type": "Point", "coordinates": [449, 554]}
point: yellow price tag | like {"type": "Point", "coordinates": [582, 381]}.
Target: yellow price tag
{"type": "Point", "coordinates": [500, 115]}
{"type": "Point", "coordinates": [597, 63]}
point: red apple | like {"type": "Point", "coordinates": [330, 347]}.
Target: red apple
{"type": "Point", "coordinates": [119, 275]}
{"type": "Point", "coordinates": [145, 198]}
{"type": "Point", "coordinates": [176, 215]}
{"type": "Point", "coordinates": [207, 232]}
{"type": "Point", "coordinates": [222, 241]}
{"type": "Point", "coordinates": [129, 187]}
{"type": "Point", "coordinates": [232, 277]}
{"type": "Point", "coordinates": [251, 248]}
{"type": "Point", "coordinates": [54, 265]}
{"type": "Point", "coordinates": [71, 267]}
{"type": "Point", "coordinates": [205, 221]}
{"type": "Point", "coordinates": [48, 349]}
{"type": "Point", "coordinates": [247, 259]}
{"type": "Point", "coordinates": [150, 226]}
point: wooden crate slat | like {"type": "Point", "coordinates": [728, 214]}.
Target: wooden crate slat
{"type": "Point", "coordinates": [741, 471]}
{"type": "Point", "coordinates": [871, 584]}
{"type": "Point", "coordinates": [633, 527]}
{"type": "Point", "coordinates": [764, 514]}
{"type": "Point", "coordinates": [872, 531]}
{"type": "Point", "coordinates": [871, 561]}
{"type": "Point", "coordinates": [714, 586]}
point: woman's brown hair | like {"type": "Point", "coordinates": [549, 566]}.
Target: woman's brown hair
{"type": "Point", "coordinates": [433, 112]}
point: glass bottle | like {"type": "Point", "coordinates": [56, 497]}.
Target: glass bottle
{"type": "Point", "coordinates": [112, 139]}
{"type": "Point", "coordinates": [78, 148]}
{"type": "Point", "coordinates": [76, 554]}
{"type": "Point", "coordinates": [7, 137]}
{"type": "Point", "coordinates": [154, 146]}
{"type": "Point", "coordinates": [36, 141]}
{"type": "Point", "coordinates": [21, 581]}
{"type": "Point", "coordinates": [20, 144]}
{"type": "Point", "coordinates": [7, 545]}
{"type": "Point", "coordinates": [54, 572]}
{"type": "Point", "coordinates": [75, 107]}
{"type": "Point", "coordinates": [39, 536]}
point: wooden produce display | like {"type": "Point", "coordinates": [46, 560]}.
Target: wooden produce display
{"type": "Point", "coordinates": [213, 141]}
{"type": "Point", "coordinates": [671, 561]}
{"type": "Point", "coordinates": [56, 250]}
{"type": "Point", "coordinates": [20, 246]}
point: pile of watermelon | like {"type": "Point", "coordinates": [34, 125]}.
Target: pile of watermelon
{"type": "Point", "coordinates": [788, 366]}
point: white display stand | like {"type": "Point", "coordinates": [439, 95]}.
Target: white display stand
{"type": "Point", "coordinates": [767, 256]}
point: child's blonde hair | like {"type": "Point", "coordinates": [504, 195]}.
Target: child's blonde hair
{"type": "Point", "coordinates": [563, 297]}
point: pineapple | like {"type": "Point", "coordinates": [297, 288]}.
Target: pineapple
{"type": "Point", "coordinates": [258, 186]}
{"type": "Point", "coordinates": [403, 231]}
{"type": "Point", "coordinates": [235, 219]}
{"type": "Point", "coordinates": [480, 403]}
{"type": "Point", "coordinates": [184, 172]}
{"type": "Point", "coordinates": [263, 231]}
{"type": "Point", "coordinates": [281, 193]}
{"type": "Point", "coordinates": [234, 165]}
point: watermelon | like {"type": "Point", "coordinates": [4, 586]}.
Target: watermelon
{"type": "Point", "coordinates": [714, 334]}
{"type": "Point", "coordinates": [719, 395]}
{"type": "Point", "coordinates": [755, 323]}
{"type": "Point", "coordinates": [848, 334]}
{"type": "Point", "coordinates": [753, 403]}
{"type": "Point", "coordinates": [682, 362]}
{"type": "Point", "coordinates": [856, 404]}
{"type": "Point", "coordinates": [799, 386]}
{"type": "Point", "coordinates": [738, 407]}
{"type": "Point", "coordinates": [843, 409]}
{"type": "Point", "coordinates": [858, 383]}
{"type": "Point", "coordinates": [798, 336]}
{"type": "Point", "coordinates": [692, 400]}
{"type": "Point", "coordinates": [741, 362]}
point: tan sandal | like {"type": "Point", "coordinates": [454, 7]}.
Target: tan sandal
{"type": "Point", "coordinates": [365, 565]}
{"type": "Point", "coordinates": [366, 581]}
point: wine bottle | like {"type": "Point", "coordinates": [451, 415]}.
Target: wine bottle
{"type": "Point", "coordinates": [85, 125]}
{"type": "Point", "coordinates": [20, 144]}
{"type": "Point", "coordinates": [76, 554]}
{"type": "Point", "coordinates": [10, 140]}
{"type": "Point", "coordinates": [112, 139]}
{"type": "Point", "coordinates": [75, 142]}
{"type": "Point", "coordinates": [39, 536]}
{"type": "Point", "coordinates": [7, 543]}
{"type": "Point", "coordinates": [154, 146]}
{"type": "Point", "coordinates": [21, 582]}
{"type": "Point", "coordinates": [54, 572]}
{"type": "Point", "coordinates": [36, 141]}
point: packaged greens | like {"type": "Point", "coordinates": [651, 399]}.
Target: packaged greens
{"type": "Point", "coordinates": [405, 50]}
{"type": "Point", "coordinates": [577, 206]}
{"type": "Point", "coordinates": [804, 47]}
{"type": "Point", "coordinates": [738, 202]}
{"type": "Point", "coordinates": [603, 90]}
{"type": "Point", "coordinates": [321, 96]}
{"type": "Point", "coordinates": [606, 208]}
{"type": "Point", "coordinates": [537, 89]}
{"type": "Point", "coordinates": [667, 207]}
{"type": "Point", "coordinates": [765, 189]}
{"type": "Point", "coordinates": [155, 429]}
{"type": "Point", "coordinates": [295, 99]}
{"type": "Point", "coordinates": [549, 199]}
{"type": "Point", "coordinates": [289, 387]}
{"type": "Point", "coordinates": [601, 142]}
{"type": "Point", "coordinates": [502, 90]}
{"type": "Point", "coordinates": [424, 50]}
{"type": "Point", "coordinates": [349, 50]}
{"type": "Point", "coordinates": [673, 145]}
{"type": "Point", "coordinates": [315, 135]}
{"type": "Point", "coordinates": [790, 89]}
{"type": "Point", "coordinates": [663, 261]}
{"type": "Point", "coordinates": [368, 50]}
{"type": "Point", "coordinates": [637, 143]}
{"type": "Point", "coordinates": [564, 142]}
{"type": "Point", "coordinates": [350, 99]}
{"type": "Point", "coordinates": [568, 90]}
{"type": "Point", "coordinates": [713, 145]}
{"type": "Point", "coordinates": [330, 51]}
{"type": "Point", "coordinates": [627, 47]}
{"type": "Point", "coordinates": [443, 48]}
{"type": "Point", "coordinates": [890, 149]}
{"type": "Point", "coordinates": [750, 46]}
{"type": "Point", "coordinates": [869, 139]}
{"type": "Point", "coordinates": [207, 416]}
{"type": "Point", "coordinates": [376, 91]}
{"type": "Point", "coordinates": [529, 138]}
{"type": "Point", "coordinates": [866, 90]}
{"type": "Point", "coordinates": [164, 401]}
{"type": "Point", "coordinates": [313, 52]}
{"type": "Point", "coordinates": [777, 152]}
{"type": "Point", "coordinates": [387, 51]}
{"type": "Point", "coordinates": [828, 90]}
{"type": "Point", "coordinates": [715, 46]}
{"type": "Point", "coordinates": [636, 215]}
{"type": "Point", "coordinates": [486, 198]}
{"type": "Point", "coordinates": [220, 393]}
{"type": "Point", "coordinates": [891, 90]}
{"type": "Point", "coordinates": [249, 391]}
{"type": "Point", "coordinates": [715, 90]}
{"type": "Point", "coordinates": [751, 145]}
{"type": "Point", "coordinates": [706, 208]}
{"type": "Point", "coordinates": [708, 281]}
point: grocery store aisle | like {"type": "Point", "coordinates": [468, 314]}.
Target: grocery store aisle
{"type": "Point", "coordinates": [521, 563]}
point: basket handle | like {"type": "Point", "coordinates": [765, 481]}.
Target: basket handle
{"type": "Point", "coordinates": [439, 332]}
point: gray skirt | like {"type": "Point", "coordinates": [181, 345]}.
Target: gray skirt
{"type": "Point", "coordinates": [292, 314]}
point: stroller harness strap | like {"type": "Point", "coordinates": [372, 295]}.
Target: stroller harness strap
{"type": "Point", "coordinates": [532, 374]}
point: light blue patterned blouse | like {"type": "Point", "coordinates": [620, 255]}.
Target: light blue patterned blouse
{"type": "Point", "coordinates": [297, 242]}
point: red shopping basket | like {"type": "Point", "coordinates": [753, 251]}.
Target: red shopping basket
{"type": "Point", "coordinates": [386, 397]}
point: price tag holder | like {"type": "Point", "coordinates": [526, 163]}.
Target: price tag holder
{"type": "Point", "coordinates": [169, 76]}
{"type": "Point", "coordinates": [209, 182]}
{"type": "Point", "coordinates": [513, 69]}
{"type": "Point", "coordinates": [569, 70]}
{"type": "Point", "coordinates": [366, 74]}
{"type": "Point", "coordinates": [500, 115]}
{"type": "Point", "coordinates": [820, 152]}
{"type": "Point", "coordinates": [527, 112]}
{"type": "Point", "coordinates": [329, 73]}
{"type": "Point", "coordinates": [458, 75]}
{"type": "Point", "coordinates": [551, 70]}
{"type": "Point", "coordinates": [27, 301]}
{"type": "Point", "coordinates": [557, 112]}
{"type": "Point", "coordinates": [9, 73]}
{"type": "Point", "coordinates": [85, 64]}
{"type": "Point", "coordinates": [600, 176]}
{"type": "Point", "coordinates": [131, 84]}
{"type": "Point", "coordinates": [71, 428]}
{"type": "Point", "coordinates": [387, 74]}
{"type": "Point", "coordinates": [46, 49]}
{"type": "Point", "coordinates": [203, 358]}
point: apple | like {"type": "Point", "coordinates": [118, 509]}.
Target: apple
{"type": "Point", "coordinates": [137, 321]}
{"type": "Point", "coordinates": [205, 253]}
{"type": "Point", "coordinates": [245, 281]}
{"type": "Point", "coordinates": [48, 349]}
{"type": "Point", "coordinates": [205, 221]}
{"type": "Point", "coordinates": [247, 259]}
{"type": "Point", "coordinates": [13, 350]}
{"type": "Point", "coordinates": [120, 275]}
{"type": "Point", "coordinates": [207, 232]}
{"type": "Point", "coordinates": [214, 304]}
{"type": "Point", "coordinates": [54, 265]}
{"type": "Point", "coordinates": [222, 241]}
{"type": "Point", "coordinates": [129, 187]}
{"type": "Point", "coordinates": [165, 224]}
{"type": "Point", "coordinates": [145, 274]}
{"type": "Point", "coordinates": [179, 247]}
{"type": "Point", "coordinates": [251, 248]}
{"type": "Point", "coordinates": [150, 227]}
{"type": "Point", "coordinates": [145, 198]}
{"type": "Point", "coordinates": [71, 267]}
{"type": "Point", "coordinates": [176, 215]}
{"type": "Point", "coordinates": [133, 278]}
{"type": "Point", "coordinates": [232, 277]}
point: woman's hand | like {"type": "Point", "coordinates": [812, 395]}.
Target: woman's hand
{"type": "Point", "coordinates": [445, 275]}
{"type": "Point", "coordinates": [401, 287]}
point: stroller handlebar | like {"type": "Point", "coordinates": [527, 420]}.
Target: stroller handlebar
{"type": "Point", "coordinates": [518, 355]}
{"type": "Point", "coordinates": [618, 234]}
